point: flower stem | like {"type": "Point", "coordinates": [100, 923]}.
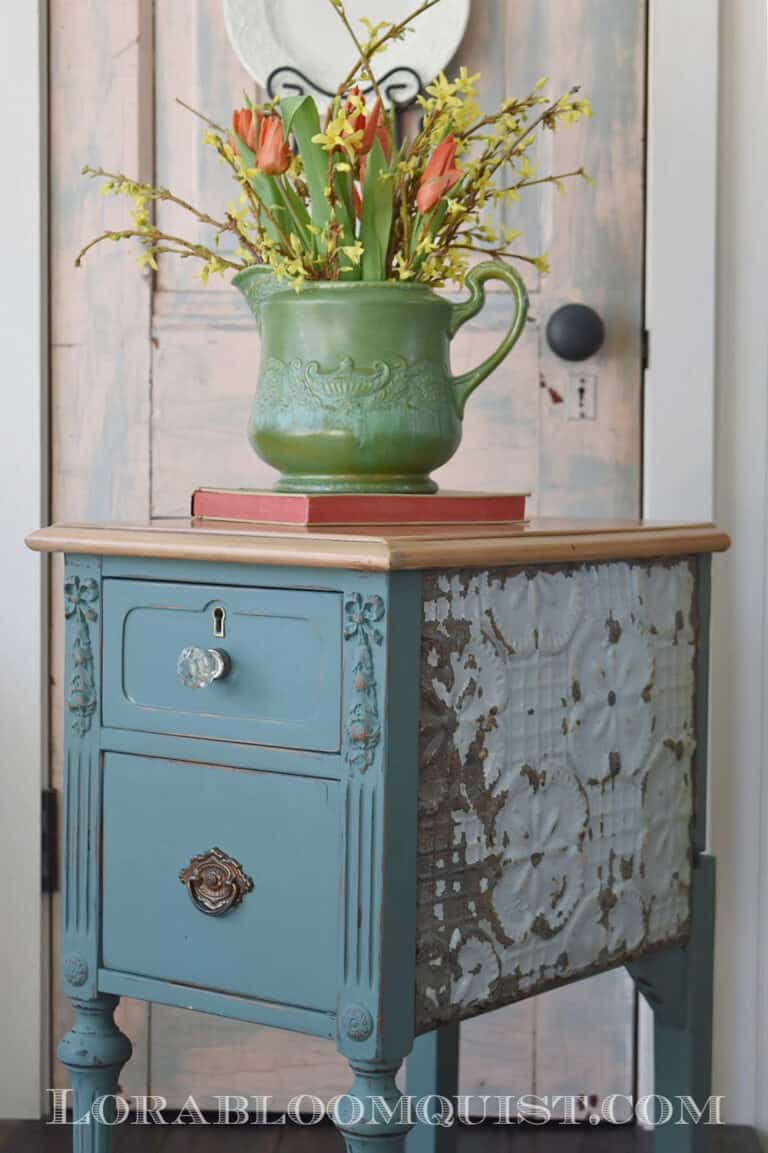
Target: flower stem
{"type": "Point", "coordinates": [153, 193]}
{"type": "Point", "coordinates": [201, 116]}
{"type": "Point", "coordinates": [391, 33]}
{"type": "Point", "coordinates": [363, 59]}
{"type": "Point", "coordinates": [544, 180]}
{"type": "Point", "coordinates": [154, 235]}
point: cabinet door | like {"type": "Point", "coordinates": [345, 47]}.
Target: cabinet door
{"type": "Point", "coordinates": [152, 378]}
{"type": "Point", "coordinates": [259, 854]}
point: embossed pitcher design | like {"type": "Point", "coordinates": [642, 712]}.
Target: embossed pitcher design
{"type": "Point", "coordinates": [355, 391]}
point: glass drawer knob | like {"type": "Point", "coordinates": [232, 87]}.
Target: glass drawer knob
{"type": "Point", "coordinates": [198, 668]}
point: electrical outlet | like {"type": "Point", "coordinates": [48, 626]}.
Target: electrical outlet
{"type": "Point", "coordinates": [582, 396]}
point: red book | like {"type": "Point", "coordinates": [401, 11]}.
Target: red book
{"type": "Point", "coordinates": [255, 506]}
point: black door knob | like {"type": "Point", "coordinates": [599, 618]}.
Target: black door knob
{"type": "Point", "coordinates": [575, 332]}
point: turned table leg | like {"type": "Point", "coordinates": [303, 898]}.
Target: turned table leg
{"type": "Point", "coordinates": [432, 1069]}
{"type": "Point", "coordinates": [678, 985]}
{"type": "Point", "coordinates": [370, 1116]}
{"type": "Point", "coordinates": [94, 1051]}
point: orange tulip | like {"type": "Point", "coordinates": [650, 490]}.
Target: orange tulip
{"type": "Point", "coordinates": [354, 113]}
{"type": "Point", "coordinates": [370, 124]}
{"type": "Point", "coordinates": [439, 176]}
{"type": "Point", "coordinates": [245, 124]}
{"type": "Point", "coordinates": [375, 129]}
{"type": "Point", "coordinates": [273, 154]}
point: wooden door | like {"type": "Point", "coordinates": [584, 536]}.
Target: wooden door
{"type": "Point", "coordinates": [152, 381]}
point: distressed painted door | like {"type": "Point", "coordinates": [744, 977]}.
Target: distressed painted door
{"type": "Point", "coordinates": [152, 380]}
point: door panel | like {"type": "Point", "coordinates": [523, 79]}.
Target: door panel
{"type": "Point", "coordinates": [100, 111]}
{"type": "Point", "coordinates": [153, 380]}
{"type": "Point", "coordinates": [595, 240]}
{"type": "Point", "coordinates": [517, 430]}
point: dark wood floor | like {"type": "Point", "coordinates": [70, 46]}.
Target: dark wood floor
{"type": "Point", "coordinates": [32, 1137]}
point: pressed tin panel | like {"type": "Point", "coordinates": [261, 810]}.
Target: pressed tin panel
{"type": "Point", "coordinates": [559, 842]}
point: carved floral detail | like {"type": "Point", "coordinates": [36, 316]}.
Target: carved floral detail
{"type": "Point", "coordinates": [357, 1022]}
{"type": "Point", "coordinates": [74, 969]}
{"type": "Point", "coordinates": [363, 725]}
{"type": "Point", "coordinates": [80, 597]}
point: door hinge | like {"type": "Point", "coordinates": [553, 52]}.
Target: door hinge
{"type": "Point", "coordinates": [645, 349]}
{"type": "Point", "coordinates": [50, 847]}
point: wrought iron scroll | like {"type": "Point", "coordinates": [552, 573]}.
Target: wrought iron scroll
{"type": "Point", "coordinates": [400, 88]}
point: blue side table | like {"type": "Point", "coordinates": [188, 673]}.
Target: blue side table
{"type": "Point", "coordinates": [366, 784]}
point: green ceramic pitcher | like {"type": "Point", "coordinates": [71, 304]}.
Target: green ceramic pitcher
{"type": "Point", "coordinates": [355, 390]}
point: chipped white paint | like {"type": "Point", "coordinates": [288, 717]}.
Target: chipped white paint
{"type": "Point", "coordinates": [557, 746]}
{"type": "Point", "coordinates": [478, 967]}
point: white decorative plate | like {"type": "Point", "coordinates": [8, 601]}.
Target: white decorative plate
{"type": "Point", "coordinates": [308, 35]}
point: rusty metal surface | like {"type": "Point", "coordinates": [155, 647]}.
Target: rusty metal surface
{"type": "Point", "coordinates": [556, 791]}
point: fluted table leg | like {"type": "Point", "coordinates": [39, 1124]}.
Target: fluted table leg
{"type": "Point", "coordinates": [94, 1051]}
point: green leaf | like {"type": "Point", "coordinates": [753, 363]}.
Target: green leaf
{"type": "Point", "coordinates": [345, 215]}
{"type": "Point", "coordinates": [416, 233]}
{"type": "Point", "coordinates": [438, 216]}
{"type": "Point", "coordinates": [300, 116]}
{"type": "Point", "coordinates": [248, 157]}
{"type": "Point", "coordinates": [299, 215]}
{"type": "Point", "coordinates": [290, 105]}
{"type": "Point", "coordinates": [376, 220]}
{"type": "Point", "coordinates": [432, 222]}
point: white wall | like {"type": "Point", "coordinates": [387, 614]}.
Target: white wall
{"type": "Point", "coordinates": [739, 794]}
{"type": "Point", "coordinates": [678, 425]}
{"type": "Point", "coordinates": [681, 248]}
{"type": "Point", "coordinates": [22, 604]}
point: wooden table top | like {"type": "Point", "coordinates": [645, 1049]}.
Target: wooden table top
{"type": "Point", "coordinates": [542, 541]}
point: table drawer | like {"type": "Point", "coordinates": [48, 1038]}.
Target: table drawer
{"type": "Point", "coordinates": [283, 685]}
{"type": "Point", "coordinates": [278, 942]}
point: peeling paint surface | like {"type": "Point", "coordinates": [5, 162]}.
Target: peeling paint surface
{"type": "Point", "coordinates": [556, 782]}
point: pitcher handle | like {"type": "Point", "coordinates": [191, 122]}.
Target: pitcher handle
{"type": "Point", "coordinates": [465, 384]}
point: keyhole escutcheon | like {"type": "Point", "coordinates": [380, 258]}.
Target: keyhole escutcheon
{"type": "Point", "coordinates": [219, 622]}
